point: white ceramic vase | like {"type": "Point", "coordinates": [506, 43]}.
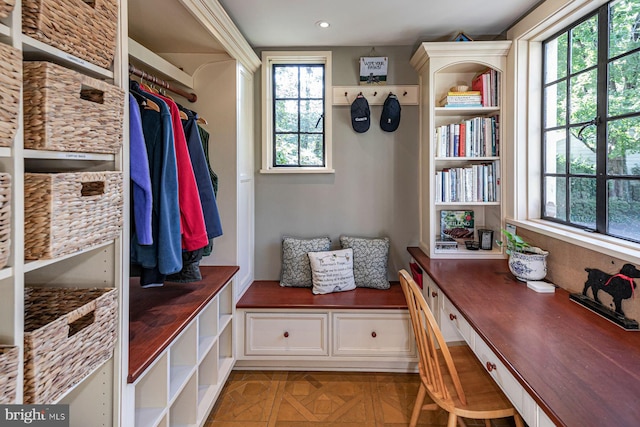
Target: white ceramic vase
{"type": "Point", "coordinates": [526, 266]}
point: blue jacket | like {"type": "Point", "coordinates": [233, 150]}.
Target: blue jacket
{"type": "Point", "coordinates": [140, 178]}
{"type": "Point", "coordinates": [166, 251]}
{"type": "Point", "coordinates": [201, 172]}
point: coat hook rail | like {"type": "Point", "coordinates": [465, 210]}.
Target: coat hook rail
{"type": "Point", "coordinates": [189, 96]}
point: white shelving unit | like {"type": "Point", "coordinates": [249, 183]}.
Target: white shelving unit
{"type": "Point", "coordinates": [181, 386]}
{"type": "Point", "coordinates": [95, 400]}
{"type": "Point", "coordinates": [442, 65]}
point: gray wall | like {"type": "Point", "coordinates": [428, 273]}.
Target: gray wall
{"type": "Point", "coordinates": [374, 191]}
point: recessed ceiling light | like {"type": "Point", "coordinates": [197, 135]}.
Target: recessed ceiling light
{"type": "Point", "coordinates": [323, 24]}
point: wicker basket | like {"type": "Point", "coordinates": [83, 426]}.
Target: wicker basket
{"type": "Point", "coordinates": [68, 111]}
{"type": "Point", "coordinates": [83, 28]}
{"type": "Point", "coordinates": [10, 85]}
{"type": "Point", "coordinates": [8, 374]}
{"type": "Point", "coordinates": [69, 332]}
{"type": "Point", "coordinates": [5, 218]}
{"type": "Point", "coordinates": [6, 6]}
{"type": "Point", "coordinates": [67, 212]}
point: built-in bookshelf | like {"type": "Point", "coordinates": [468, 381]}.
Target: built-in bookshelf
{"type": "Point", "coordinates": [461, 143]}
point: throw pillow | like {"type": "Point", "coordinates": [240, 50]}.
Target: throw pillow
{"type": "Point", "coordinates": [370, 257]}
{"type": "Point", "coordinates": [296, 271]}
{"type": "Point", "coordinates": [332, 271]}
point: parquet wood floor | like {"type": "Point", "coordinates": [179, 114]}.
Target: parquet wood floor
{"type": "Point", "coordinates": [321, 399]}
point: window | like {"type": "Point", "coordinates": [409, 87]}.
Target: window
{"type": "Point", "coordinates": [591, 122]}
{"type": "Point", "coordinates": [296, 112]}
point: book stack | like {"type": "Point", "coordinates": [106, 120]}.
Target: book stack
{"type": "Point", "coordinates": [474, 137]}
{"type": "Point", "coordinates": [488, 84]}
{"type": "Point", "coordinates": [468, 99]}
{"type": "Point", "coordinates": [473, 183]}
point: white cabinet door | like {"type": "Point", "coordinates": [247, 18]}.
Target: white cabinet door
{"type": "Point", "coordinates": [373, 334]}
{"type": "Point", "coordinates": [283, 334]}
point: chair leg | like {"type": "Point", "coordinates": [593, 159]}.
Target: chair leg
{"type": "Point", "coordinates": [417, 407]}
{"type": "Point", "coordinates": [487, 423]}
{"type": "Point", "coordinates": [453, 420]}
{"type": "Point", "coordinates": [518, 419]}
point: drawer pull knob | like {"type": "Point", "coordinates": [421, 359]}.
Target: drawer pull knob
{"type": "Point", "coordinates": [452, 316]}
{"type": "Point", "coordinates": [373, 334]}
{"type": "Point", "coordinates": [286, 334]}
{"type": "Point", "coordinates": [491, 366]}
{"type": "Point", "coordinates": [434, 294]}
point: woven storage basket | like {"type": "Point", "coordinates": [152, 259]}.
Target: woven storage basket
{"type": "Point", "coordinates": [6, 6]}
{"type": "Point", "coordinates": [68, 111]}
{"type": "Point", "coordinates": [68, 333]}
{"type": "Point", "coordinates": [67, 212]}
{"type": "Point", "coordinates": [5, 218]}
{"type": "Point", "coordinates": [10, 85]}
{"type": "Point", "coordinates": [83, 28]}
{"type": "Point", "coordinates": [8, 374]}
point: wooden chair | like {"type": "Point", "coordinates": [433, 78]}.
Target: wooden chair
{"type": "Point", "coordinates": [452, 376]}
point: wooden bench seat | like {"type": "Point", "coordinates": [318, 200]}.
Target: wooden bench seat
{"type": "Point", "coordinates": [269, 294]}
{"type": "Point", "coordinates": [291, 328]}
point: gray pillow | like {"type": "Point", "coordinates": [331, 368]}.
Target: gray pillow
{"type": "Point", "coordinates": [296, 271]}
{"type": "Point", "coordinates": [370, 257]}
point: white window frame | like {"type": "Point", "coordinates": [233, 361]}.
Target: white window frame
{"type": "Point", "coordinates": [523, 127]}
{"type": "Point", "coordinates": [294, 57]}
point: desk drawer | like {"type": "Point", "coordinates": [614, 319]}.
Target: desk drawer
{"type": "Point", "coordinates": [451, 315]}
{"type": "Point", "coordinates": [509, 385]}
{"type": "Point", "coordinates": [376, 334]}
{"type": "Point", "coordinates": [284, 334]}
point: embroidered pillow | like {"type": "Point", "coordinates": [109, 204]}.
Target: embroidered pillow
{"type": "Point", "coordinates": [332, 271]}
{"type": "Point", "coordinates": [296, 271]}
{"type": "Point", "coordinates": [370, 257]}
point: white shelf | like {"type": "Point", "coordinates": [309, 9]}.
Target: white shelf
{"type": "Point", "coordinates": [36, 50]}
{"type": "Point", "coordinates": [4, 30]}
{"type": "Point", "coordinates": [5, 152]}
{"type": "Point", "coordinates": [159, 64]}
{"type": "Point", "coordinates": [450, 111]}
{"type": "Point", "coordinates": [66, 155]}
{"type": "Point", "coordinates": [37, 264]}
{"type": "Point", "coordinates": [178, 378]}
{"type": "Point", "coordinates": [444, 204]}
{"type": "Point", "coordinates": [149, 417]}
{"type": "Point", "coordinates": [465, 159]}
{"type": "Point", "coordinates": [6, 272]}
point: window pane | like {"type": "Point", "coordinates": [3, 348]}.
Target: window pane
{"type": "Point", "coordinates": [624, 203]}
{"type": "Point", "coordinates": [583, 97]}
{"type": "Point", "coordinates": [584, 45]}
{"type": "Point", "coordinates": [310, 115]}
{"type": "Point", "coordinates": [311, 82]}
{"type": "Point", "coordinates": [556, 59]}
{"type": "Point", "coordinates": [623, 151]}
{"type": "Point", "coordinates": [582, 152]}
{"type": "Point", "coordinates": [624, 33]}
{"type": "Point", "coordinates": [311, 149]}
{"type": "Point", "coordinates": [286, 116]}
{"type": "Point", "coordinates": [286, 81]}
{"type": "Point", "coordinates": [287, 150]}
{"type": "Point", "coordinates": [555, 151]}
{"type": "Point", "coordinates": [624, 84]}
{"type": "Point", "coordinates": [555, 197]}
{"type": "Point", "coordinates": [555, 107]}
{"type": "Point", "coordinates": [583, 202]}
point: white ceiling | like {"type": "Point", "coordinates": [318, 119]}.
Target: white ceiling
{"type": "Point", "coordinates": [284, 23]}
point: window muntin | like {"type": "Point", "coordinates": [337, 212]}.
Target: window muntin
{"type": "Point", "coordinates": [591, 123]}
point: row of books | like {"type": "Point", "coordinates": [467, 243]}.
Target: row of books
{"type": "Point", "coordinates": [488, 84]}
{"type": "Point", "coordinates": [476, 137]}
{"type": "Point", "coordinates": [474, 183]}
{"type": "Point", "coordinates": [469, 99]}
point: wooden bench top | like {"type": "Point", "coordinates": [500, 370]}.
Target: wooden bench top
{"type": "Point", "coordinates": [158, 315]}
{"type": "Point", "coordinates": [268, 294]}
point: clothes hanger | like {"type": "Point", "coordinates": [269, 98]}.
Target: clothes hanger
{"type": "Point", "coordinates": [146, 103]}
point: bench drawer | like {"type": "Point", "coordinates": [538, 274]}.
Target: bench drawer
{"type": "Point", "coordinates": [375, 334]}
{"type": "Point", "coordinates": [273, 334]}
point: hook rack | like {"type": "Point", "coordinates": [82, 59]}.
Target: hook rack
{"type": "Point", "coordinates": [376, 95]}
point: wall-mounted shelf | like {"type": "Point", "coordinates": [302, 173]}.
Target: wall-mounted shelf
{"type": "Point", "coordinates": [161, 65]}
{"type": "Point", "coordinates": [407, 94]}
